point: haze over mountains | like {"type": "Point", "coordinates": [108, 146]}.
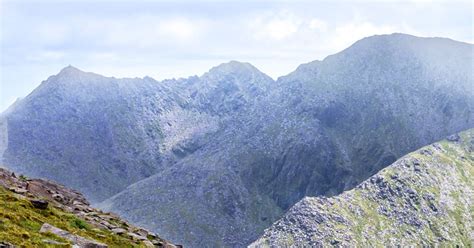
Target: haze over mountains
{"type": "Point", "coordinates": [229, 152]}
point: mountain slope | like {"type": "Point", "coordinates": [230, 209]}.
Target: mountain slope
{"type": "Point", "coordinates": [424, 198]}
{"type": "Point", "coordinates": [320, 130]}
{"type": "Point", "coordinates": [31, 206]}
{"type": "Point", "coordinates": [249, 146]}
{"type": "Point", "coordinates": [101, 134]}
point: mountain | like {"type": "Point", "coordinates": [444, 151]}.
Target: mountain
{"type": "Point", "coordinates": [424, 198]}
{"type": "Point", "coordinates": [230, 151]}
{"type": "Point", "coordinates": [321, 130]}
{"type": "Point", "coordinates": [42, 213]}
{"type": "Point", "coordinates": [100, 134]}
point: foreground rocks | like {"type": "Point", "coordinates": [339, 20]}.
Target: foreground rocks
{"type": "Point", "coordinates": [423, 199]}
{"type": "Point", "coordinates": [44, 194]}
{"type": "Point", "coordinates": [76, 240]}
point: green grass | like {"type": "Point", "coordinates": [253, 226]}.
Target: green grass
{"type": "Point", "coordinates": [20, 223]}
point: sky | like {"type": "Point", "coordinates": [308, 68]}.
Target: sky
{"type": "Point", "coordinates": [173, 39]}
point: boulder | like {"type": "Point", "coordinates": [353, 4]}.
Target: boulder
{"type": "Point", "coordinates": [118, 231]}
{"type": "Point", "coordinates": [453, 138]}
{"type": "Point", "coordinates": [6, 245]}
{"type": "Point", "coordinates": [135, 236]}
{"type": "Point", "coordinates": [58, 197]}
{"type": "Point", "coordinates": [141, 232]}
{"type": "Point", "coordinates": [18, 190]}
{"type": "Point", "coordinates": [40, 204]}
{"type": "Point", "coordinates": [148, 244]}
{"type": "Point", "coordinates": [76, 240]}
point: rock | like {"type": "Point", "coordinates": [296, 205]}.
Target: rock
{"type": "Point", "coordinates": [135, 236]}
{"type": "Point", "coordinates": [40, 204]}
{"type": "Point", "coordinates": [453, 138]}
{"type": "Point", "coordinates": [53, 242]}
{"type": "Point", "coordinates": [148, 244]}
{"type": "Point", "coordinates": [76, 240]}
{"type": "Point", "coordinates": [4, 244]}
{"type": "Point", "coordinates": [422, 199]}
{"type": "Point", "coordinates": [58, 197]}
{"type": "Point", "coordinates": [152, 235]}
{"type": "Point", "coordinates": [118, 231]}
{"type": "Point", "coordinates": [157, 243]}
{"type": "Point", "coordinates": [142, 232]}
{"type": "Point", "coordinates": [18, 190]}
{"type": "Point", "coordinates": [44, 194]}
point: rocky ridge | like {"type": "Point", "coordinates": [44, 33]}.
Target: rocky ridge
{"type": "Point", "coordinates": [425, 198]}
{"type": "Point", "coordinates": [42, 200]}
{"type": "Point", "coordinates": [321, 130]}
{"type": "Point", "coordinates": [250, 146]}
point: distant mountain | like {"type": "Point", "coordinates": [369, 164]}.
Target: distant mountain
{"type": "Point", "coordinates": [321, 130]}
{"type": "Point", "coordinates": [425, 198]}
{"type": "Point", "coordinates": [100, 134]}
{"type": "Point", "coordinates": [230, 151]}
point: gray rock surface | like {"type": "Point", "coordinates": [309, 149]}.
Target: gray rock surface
{"type": "Point", "coordinates": [321, 130]}
{"type": "Point", "coordinates": [230, 151]}
{"type": "Point", "coordinates": [75, 239]}
{"type": "Point", "coordinates": [423, 199]}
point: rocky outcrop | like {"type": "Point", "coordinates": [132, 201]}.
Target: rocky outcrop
{"type": "Point", "coordinates": [45, 195]}
{"type": "Point", "coordinates": [423, 199]}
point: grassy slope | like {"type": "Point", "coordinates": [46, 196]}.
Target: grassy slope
{"type": "Point", "coordinates": [20, 223]}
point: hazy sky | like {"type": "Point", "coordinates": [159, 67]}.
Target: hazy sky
{"type": "Point", "coordinates": [165, 39]}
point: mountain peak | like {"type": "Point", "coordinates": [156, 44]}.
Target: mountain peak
{"type": "Point", "coordinates": [235, 67]}
{"type": "Point", "coordinates": [70, 70]}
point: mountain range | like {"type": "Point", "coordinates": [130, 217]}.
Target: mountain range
{"type": "Point", "coordinates": [231, 151]}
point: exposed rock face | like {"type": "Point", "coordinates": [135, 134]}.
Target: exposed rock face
{"type": "Point", "coordinates": [321, 130]}
{"type": "Point", "coordinates": [103, 134]}
{"type": "Point", "coordinates": [424, 198]}
{"type": "Point", "coordinates": [231, 150]}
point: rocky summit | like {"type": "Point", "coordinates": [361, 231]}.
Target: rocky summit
{"type": "Point", "coordinates": [214, 160]}
{"type": "Point", "coordinates": [424, 198]}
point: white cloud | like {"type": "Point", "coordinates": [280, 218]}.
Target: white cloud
{"type": "Point", "coordinates": [275, 26]}
{"type": "Point", "coordinates": [317, 24]}
{"type": "Point", "coordinates": [179, 28]}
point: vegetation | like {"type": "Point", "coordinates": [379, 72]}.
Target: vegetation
{"type": "Point", "coordinates": [20, 223]}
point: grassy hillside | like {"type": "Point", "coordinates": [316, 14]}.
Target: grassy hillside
{"type": "Point", "coordinates": [20, 223]}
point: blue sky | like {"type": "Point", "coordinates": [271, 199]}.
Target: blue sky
{"type": "Point", "coordinates": [182, 38]}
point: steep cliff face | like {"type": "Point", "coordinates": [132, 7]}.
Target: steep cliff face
{"type": "Point", "coordinates": [231, 150]}
{"type": "Point", "coordinates": [424, 198]}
